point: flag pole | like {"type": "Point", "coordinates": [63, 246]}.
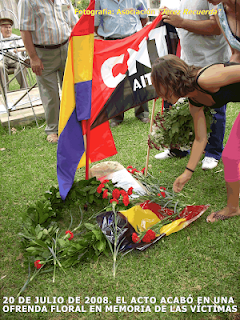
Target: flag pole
{"type": "Point", "coordinates": [87, 149]}
{"type": "Point", "coordinates": [150, 131]}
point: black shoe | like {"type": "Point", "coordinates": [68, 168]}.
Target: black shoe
{"type": "Point", "coordinates": [178, 153]}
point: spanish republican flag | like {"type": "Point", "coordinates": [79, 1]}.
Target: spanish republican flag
{"type": "Point", "coordinates": [102, 79]}
{"type": "Point", "coordinates": [76, 108]}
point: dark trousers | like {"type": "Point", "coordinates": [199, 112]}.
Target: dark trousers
{"type": "Point", "coordinates": [140, 112]}
{"type": "Point", "coordinates": [214, 146]}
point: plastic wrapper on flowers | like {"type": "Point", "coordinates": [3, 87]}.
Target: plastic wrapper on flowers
{"type": "Point", "coordinates": [106, 222]}
{"type": "Point", "coordinates": [144, 217]}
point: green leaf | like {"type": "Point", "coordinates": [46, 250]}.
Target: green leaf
{"type": "Point", "coordinates": [40, 243]}
{"type": "Point", "coordinates": [90, 199]}
{"type": "Point", "coordinates": [89, 226]}
{"type": "Point", "coordinates": [61, 242]}
{"type": "Point", "coordinates": [101, 246]}
{"type": "Point", "coordinates": [97, 233]}
{"type": "Point", "coordinates": [39, 235]}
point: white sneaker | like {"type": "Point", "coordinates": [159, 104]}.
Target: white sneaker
{"type": "Point", "coordinates": [209, 163]}
{"type": "Point", "coordinates": [164, 155]}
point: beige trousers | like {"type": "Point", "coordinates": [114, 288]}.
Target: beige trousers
{"type": "Point", "coordinates": [20, 72]}
{"type": "Point", "coordinates": [54, 64]}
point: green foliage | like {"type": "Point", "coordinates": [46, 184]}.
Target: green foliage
{"type": "Point", "coordinates": [175, 128]}
{"type": "Point", "coordinates": [80, 4]}
{"type": "Point", "coordinates": [85, 192]}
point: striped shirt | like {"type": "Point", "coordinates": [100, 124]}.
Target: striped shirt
{"type": "Point", "coordinates": [49, 22]}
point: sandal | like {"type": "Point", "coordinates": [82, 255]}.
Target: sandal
{"type": "Point", "coordinates": [218, 216]}
{"type": "Point", "coordinates": [52, 138]}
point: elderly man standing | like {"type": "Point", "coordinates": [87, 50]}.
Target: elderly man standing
{"type": "Point", "coordinates": [45, 27]}
{"type": "Point", "coordinates": [119, 21]}
{"type": "Point", "coordinates": [8, 49]}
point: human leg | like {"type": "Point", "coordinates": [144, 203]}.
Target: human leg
{"type": "Point", "coordinates": [3, 73]}
{"type": "Point", "coordinates": [21, 76]}
{"type": "Point", "coordinates": [232, 208]}
{"type": "Point", "coordinates": [231, 161]}
{"type": "Point", "coordinates": [48, 88]}
{"type": "Point", "coordinates": [117, 120]}
{"type": "Point", "coordinates": [142, 112]}
{"type": "Point", "coordinates": [214, 147]}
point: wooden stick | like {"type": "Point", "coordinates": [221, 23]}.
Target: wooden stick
{"type": "Point", "coordinates": [150, 131]}
{"type": "Point", "coordinates": [87, 150]}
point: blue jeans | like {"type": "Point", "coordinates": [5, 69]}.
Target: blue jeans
{"type": "Point", "coordinates": [214, 146]}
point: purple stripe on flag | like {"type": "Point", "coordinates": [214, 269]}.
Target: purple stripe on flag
{"type": "Point", "coordinates": [69, 153]}
{"type": "Point", "coordinates": [83, 93]}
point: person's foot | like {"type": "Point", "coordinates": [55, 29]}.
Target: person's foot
{"type": "Point", "coordinates": [171, 153]}
{"type": "Point", "coordinates": [144, 120]}
{"type": "Point", "coordinates": [114, 123]}
{"type": "Point", "coordinates": [52, 138]}
{"type": "Point", "coordinates": [223, 214]}
{"type": "Point", "coordinates": [209, 163]}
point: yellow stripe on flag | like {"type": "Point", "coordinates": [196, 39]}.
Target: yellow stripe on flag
{"type": "Point", "coordinates": [68, 94]}
{"type": "Point", "coordinates": [83, 47]}
{"type": "Point", "coordinates": [139, 218]}
{"type": "Point", "coordinates": [173, 226]}
{"type": "Point", "coordinates": [143, 219]}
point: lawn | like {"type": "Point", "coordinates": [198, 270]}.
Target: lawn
{"type": "Point", "coordinates": [199, 261]}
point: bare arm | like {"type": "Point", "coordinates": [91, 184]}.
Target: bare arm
{"type": "Point", "coordinates": [96, 31]}
{"type": "Point", "coordinates": [218, 76]}
{"type": "Point", "coordinates": [203, 27]}
{"type": "Point", "coordinates": [235, 53]}
{"type": "Point", "coordinates": [144, 21]}
{"type": "Point", "coordinates": [198, 147]}
{"type": "Point", "coordinates": [36, 63]}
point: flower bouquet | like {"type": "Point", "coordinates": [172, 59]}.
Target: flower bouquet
{"type": "Point", "coordinates": [124, 223]}
{"type": "Point", "coordinates": [174, 128]}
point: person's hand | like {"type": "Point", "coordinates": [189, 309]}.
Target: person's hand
{"type": "Point", "coordinates": [36, 65]}
{"type": "Point", "coordinates": [172, 17]}
{"type": "Point", "coordinates": [180, 182]}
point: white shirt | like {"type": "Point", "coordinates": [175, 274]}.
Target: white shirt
{"type": "Point", "coordinates": [201, 50]}
{"type": "Point", "coordinates": [15, 42]}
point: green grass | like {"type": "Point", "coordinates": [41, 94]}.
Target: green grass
{"type": "Point", "coordinates": [201, 260]}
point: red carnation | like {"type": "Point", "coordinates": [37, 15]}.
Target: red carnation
{"type": "Point", "coordinates": [99, 188]}
{"type": "Point", "coordinates": [114, 200]}
{"type": "Point", "coordinates": [37, 264]}
{"type": "Point", "coordinates": [162, 188]}
{"type": "Point", "coordinates": [143, 170]}
{"type": "Point", "coordinates": [71, 234]}
{"type": "Point", "coordinates": [135, 237]}
{"type": "Point", "coordinates": [134, 170]}
{"type": "Point", "coordinates": [105, 194]}
{"type": "Point", "coordinates": [123, 192]}
{"type": "Point", "coordinates": [130, 191]}
{"type": "Point", "coordinates": [149, 236]}
{"type": "Point", "coordinates": [129, 169]}
{"type": "Point", "coordinates": [163, 194]}
{"type": "Point", "coordinates": [116, 194]}
{"type": "Point", "coordinates": [105, 181]}
{"type": "Point", "coordinates": [125, 200]}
